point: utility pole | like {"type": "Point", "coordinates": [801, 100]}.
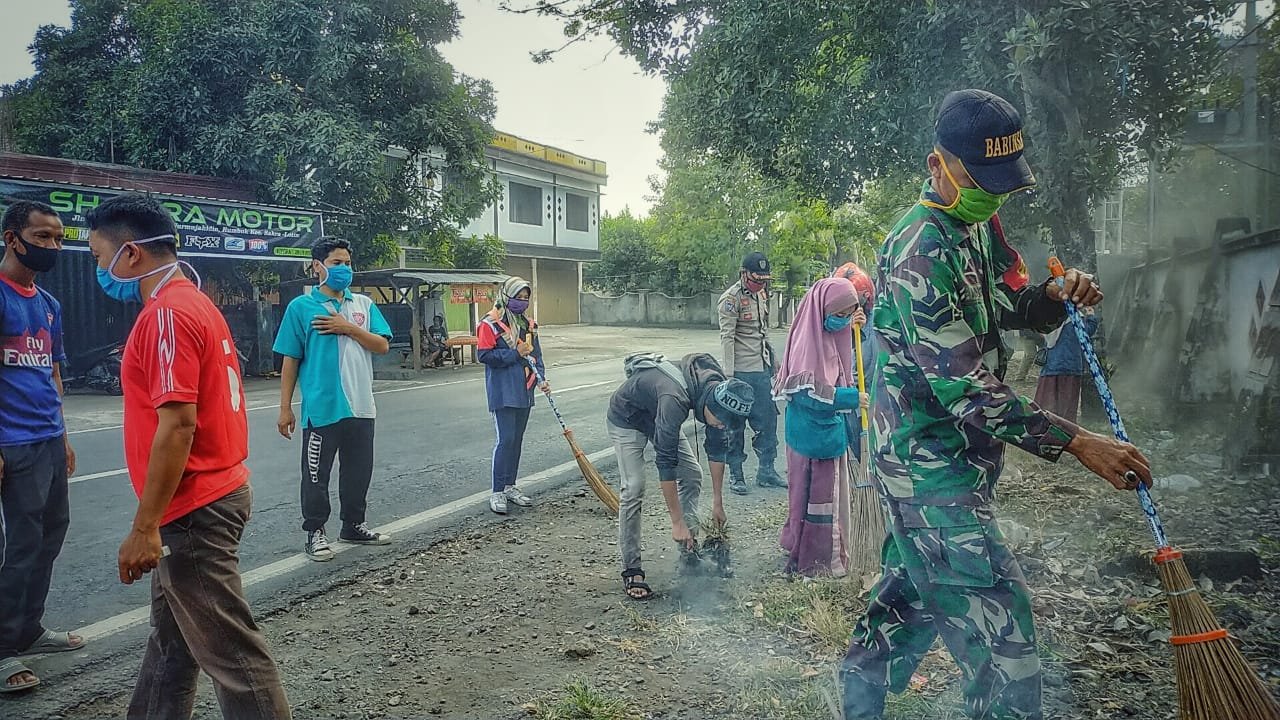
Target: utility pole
{"type": "Point", "coordinates": [1256, 189]}
{"type": "Point", "coordinates": [1153, 169]}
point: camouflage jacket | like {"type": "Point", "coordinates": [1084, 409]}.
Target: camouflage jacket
{"type": "Point", "coordinates": [940, 411]}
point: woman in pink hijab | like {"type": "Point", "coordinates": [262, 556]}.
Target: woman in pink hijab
{"type": "Point", "coordinates": [816, 381]}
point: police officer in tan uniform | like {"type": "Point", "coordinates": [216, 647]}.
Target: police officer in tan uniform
{"type": "Point", "coordinates": [746, 354]}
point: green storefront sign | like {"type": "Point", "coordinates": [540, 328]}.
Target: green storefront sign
{"type": "Point", "coordinates": [206, 228]}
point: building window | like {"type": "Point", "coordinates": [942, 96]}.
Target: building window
{"type": "Point", "coordinates": [526, 203]}
{"type": "Point", "coordinates": [576, 213]}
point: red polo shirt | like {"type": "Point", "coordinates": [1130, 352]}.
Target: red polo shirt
{"type": "Point", "coordinates": [180, 351]}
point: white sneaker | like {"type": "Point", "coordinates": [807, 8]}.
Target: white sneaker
{"type": "Point", "coordinates": [514, 495]}
{"type": "Point", "coordinates": [498, 503]}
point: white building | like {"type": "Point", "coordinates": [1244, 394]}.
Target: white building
{"type": "Point", "coordinates": [548, 216]}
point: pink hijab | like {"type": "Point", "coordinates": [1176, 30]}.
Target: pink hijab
{"type": "Point", "coordinates": [816, 360]}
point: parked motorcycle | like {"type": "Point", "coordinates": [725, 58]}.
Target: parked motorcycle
{"type": "Point", "coordinates": [97, 369]}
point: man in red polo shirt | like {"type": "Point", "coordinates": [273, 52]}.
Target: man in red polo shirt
{"type": "Point", "coordinates": [186, 439]}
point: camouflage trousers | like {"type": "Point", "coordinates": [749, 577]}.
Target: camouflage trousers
{"type": "Point", "coordinates": [947, 573]}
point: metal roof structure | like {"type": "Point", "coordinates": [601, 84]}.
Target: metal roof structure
{"type": "Point", "coordinates": [404, 279]}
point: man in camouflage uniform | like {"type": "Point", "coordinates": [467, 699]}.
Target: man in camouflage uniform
{"type": "Point", "coordinates": [942, 414]}
{"type": "Point", "coordinates": [748, 356]}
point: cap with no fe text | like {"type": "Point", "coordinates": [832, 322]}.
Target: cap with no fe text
{"type": "Point", "coordinates": [732, 400]}
{"type": "Point", "coordinates": [757, 263]}
{"type": "Point", "coordinates": [985, 132]}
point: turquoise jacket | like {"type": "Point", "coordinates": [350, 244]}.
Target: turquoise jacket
{"type": "Point", "coordinates": [818, 430]}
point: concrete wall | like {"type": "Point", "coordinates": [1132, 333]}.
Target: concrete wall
{"type": "Point", "coordinates": [649, 309]}
{"type": "Point", "coordinates": [1195, 330]}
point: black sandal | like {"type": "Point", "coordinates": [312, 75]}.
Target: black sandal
{"type": "Point", "coordinates": [630, 583]}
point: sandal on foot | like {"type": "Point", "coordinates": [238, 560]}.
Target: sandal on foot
{"type": "Point", "coordinates": [629, 583]}
{"type": "Point", "coordinates": [53, 642]}
{"type": "Point", "coordinates": [10, 667]}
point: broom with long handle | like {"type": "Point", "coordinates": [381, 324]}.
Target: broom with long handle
{"type": "Point", "coordinates": [598, 484]}
{"type": "Point", "coordinates": [866, 515]}
{"type": "Point", "coordinates": [1215, 681]}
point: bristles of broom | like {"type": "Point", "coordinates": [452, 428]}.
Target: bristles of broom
{"type": "Point", "coordinates": [867, 531]}
{"type": "Point", "coordinates": [594, 479]}
{"type": "Point", "coordinates": [866, 515]}
{"type": "Point", "coordinates": [1215, 681]}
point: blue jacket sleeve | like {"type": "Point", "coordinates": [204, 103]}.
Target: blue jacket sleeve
{"type": "Point", "coordinates": [489, 352]}
{"type": "Point", "coordinates": [845, 399]}
{"type": "Point", "coordinates": [537, 357]}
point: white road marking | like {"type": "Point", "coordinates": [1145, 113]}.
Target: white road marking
{"type": "Point", "coordinates": [124, 471]}
{"type": "Point", "coordinates": [126, 620]}
{"type": "Point", "coordinates": [106, 474]}
{"type": "Point", "coordinates": [418, 386]}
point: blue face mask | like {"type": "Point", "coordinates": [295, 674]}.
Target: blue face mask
{"type": "Point", "coordinates": [130, 289]}
{"type": "Point", "coordinates": [835, 323]}
{"type": "Point", "coordinates": [338, 278]}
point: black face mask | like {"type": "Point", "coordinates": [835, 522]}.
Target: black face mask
{"type": "Point", "coordinates": [36, 258]}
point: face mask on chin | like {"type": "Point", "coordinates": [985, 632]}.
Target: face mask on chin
{"type": "Point", "coordinates": [972, 205]}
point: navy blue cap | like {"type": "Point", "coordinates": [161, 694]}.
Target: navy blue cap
{"type": "Point", "coordinates": [985, 132]}
{"type": "Point", "coordinates": [757, 263]}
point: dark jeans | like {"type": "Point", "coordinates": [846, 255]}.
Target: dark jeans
{"type": "Point", "coordinates": [763, 421]}
{"type": "Point", "coordinates": [511, 423]}
{"type": "Point", "coordinates": [33, 497]}
{"type": "Point", "coordinates": [200, 620]}
{"type": "Point", "coordinates": [351, 441]}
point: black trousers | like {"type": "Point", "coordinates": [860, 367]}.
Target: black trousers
{"type": "Point", "coordinates": [351, 441]}
{"type": "Point", "coordinates": [33, 496]}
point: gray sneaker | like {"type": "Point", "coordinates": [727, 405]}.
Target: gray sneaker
{"type": "Point", "coordinates": [515, 496]}
{"type": "Point", "coordinates": [498, 503]}
{"type": "Point", "coordinates": [317, 547]}
{"type": "Point", "coordinates": [738, 481]}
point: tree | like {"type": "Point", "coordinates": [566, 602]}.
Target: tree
{"type": "Point", "coordinates": [829, 95]}
{"type": "Point", "coordinates": [479, 252]}
{"type": "Point", "coordinates": [711, 212]}
{"type": "Point", "coordinates": [301, 97]}
{"type": "Point", "coordinates": [629, 257]}
{"type": "Point", "coordinates": [863, 224]}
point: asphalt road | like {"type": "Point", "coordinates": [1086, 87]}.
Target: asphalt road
{"type": "Point", "coordinates": [433, 446]}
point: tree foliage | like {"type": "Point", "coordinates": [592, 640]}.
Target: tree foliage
{"type": "Point", "coordinates": [629, 257]}
{"type": "Point", "coordinates": [301, 97]}
{"type": "Point", "coordinates": [478, 252]}
{"type": "Point", "coordinates": [829, 95]}
{"type": "Point", "coordinates": [711, 212]}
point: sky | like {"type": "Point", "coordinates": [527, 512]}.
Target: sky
{"type": "Point", "coordinates": [591, 100]}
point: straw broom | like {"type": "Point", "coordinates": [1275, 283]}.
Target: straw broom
{"type": "Point", "coordinates": [866, 514]}
{"type": "Point", "coordinates": [594, 479]}
{"type": "Point", "coordinates": [1215, 681]}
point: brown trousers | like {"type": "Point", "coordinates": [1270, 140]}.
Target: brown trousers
{"type": "Point", "coordinates": [200, 620]}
